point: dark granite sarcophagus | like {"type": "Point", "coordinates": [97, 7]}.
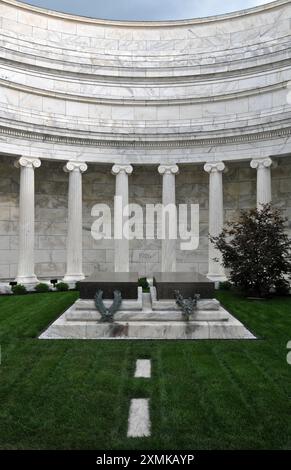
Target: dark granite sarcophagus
{"type": "Point", "coordinates": [126, 283]}
{"type": "Point", "coordinates": [187, 284]}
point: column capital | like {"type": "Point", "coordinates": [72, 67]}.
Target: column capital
{"type": "Point", "coordinates": [214, 167]}
{"type": "Point", "coordinates": [75, 166]}
{"type": "Point", "coordinates": [168, 169]}
{"type": "Point", "coordinates": [116, 169]}
{"type": "Point", "coordinates": [266, 162]}
{"type": "Point", "coordinates": [28, 162]}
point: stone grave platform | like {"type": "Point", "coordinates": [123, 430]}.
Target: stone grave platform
{"type": "Point", "coordinates": [209, 321]}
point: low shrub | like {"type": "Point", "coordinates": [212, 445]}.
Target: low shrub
{"type": "Point", "coordinates": [42, 287]}
{"type": "Point", "coordinates": [256, 250]}
{"type": "Point", "coordinates": [19, 289]}
{"type": "Point", "coordinates": [62, 286]}
{"type": "Point", "coordinates": [282, 287]}
{"type": "Point", "coordinates": [225, 285]}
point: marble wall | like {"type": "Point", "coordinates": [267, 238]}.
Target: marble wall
{"type": "Point", "coordinates": [99, 90]}
{"type": "Point", "coordinates": [145, 186]}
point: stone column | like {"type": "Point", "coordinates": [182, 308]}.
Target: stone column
{"type": "Point", "coordinates": [121, 241]}
{"type": "Point", "coordinates": [215, 170]}
{"type": "Point", "coordinates": [169, 173]}
{"type": "Point", "coordinates": [25, 271]}
{"type": "Point", "coordinates": [263, 167]}
{"type": "Point", "coordinates": [74, 270]}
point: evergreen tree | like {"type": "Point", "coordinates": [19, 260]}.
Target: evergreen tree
{"type": "Point", "coordinates": [256, 250]}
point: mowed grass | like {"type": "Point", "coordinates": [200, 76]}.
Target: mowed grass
{"type": "Point", "coordinates": [203, 394]}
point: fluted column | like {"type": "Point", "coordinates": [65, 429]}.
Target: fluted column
{"type": "Point", "coordinates": [121, 239]}
{"type": "Point", "coordinates": [264, 191]}
{"type": "Point", "coordinates": [74, 270]}
{"type": "Point", "coordinates": [169, 173]}
{"type": "Point", "coordinates": [25, 271]}
{"type": "Point", "coordinates": [215, 170]}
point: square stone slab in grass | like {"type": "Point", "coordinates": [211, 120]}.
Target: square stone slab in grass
{"type": "Point", "coordinates": [188, 284]}
{"type": "Point", "coordinates": [126, 283]}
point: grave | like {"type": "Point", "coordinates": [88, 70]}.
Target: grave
{"type": "Point", "coordinates": [188, 284]}
{"type": "Point", "coordinates": [126, 283]}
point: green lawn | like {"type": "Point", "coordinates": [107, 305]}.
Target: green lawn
{"type": "Point", "coordinates": [204, 394]}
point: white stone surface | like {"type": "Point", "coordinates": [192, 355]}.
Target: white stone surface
{"type": "Point", "coordinates": [121, 239]}
{"type": "Point", "coordinates": [215, 170]}
{"type": "Point", "coordinates": [169, 241]}
{"type": "Point", "coordinates": [5, 288]}
{"type": "Point", "coordinates": [139, 424]}
{"type": "Point", "coordinates": [74, 270]}
{"type": "Point", "coordinates": [264, 190]}
{"type": "Point", "coordinates": [85, 310]}
{"type": "Point", "coordinates": [25, 271]}
{"type": "Point", "coordinates": [143, 369]}
{"type": "Point", "coordinates": [232, 329]}
{"type": "Point", "coordinates": [199, 89]}
{"type": "Point", "coordinates": [150, 325]}
{"type": "Point", "coordinates": [170, 305]}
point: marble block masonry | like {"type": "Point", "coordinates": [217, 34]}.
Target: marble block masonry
{"type": "Point", "coordinates": [174, 112]}
{"type": "Point", "coordinates": [148, 320]}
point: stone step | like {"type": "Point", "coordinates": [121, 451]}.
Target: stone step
{"type": "Point", "coordinates": [170, 305]}
{"type": "Point", "coordinates": [126, 304]}
{"type": "Point", "coordinates": [146, 301]}
{"type": "Point", "coordinates": [153, 316]}
{"type": "Point", "coordinates": [231, 329]}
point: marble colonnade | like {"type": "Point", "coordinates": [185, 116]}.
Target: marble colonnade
{"type": "Point", "coordinates": [74, 271]}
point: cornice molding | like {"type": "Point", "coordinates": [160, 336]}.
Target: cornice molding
{"type": "Point", "coordinates": [48, 72]}
{"type": "Point", "coordinates": [30, 61]}
{"type": "Point", "coordinates": [139, 102]}
{"type": "Point", "coordinates": [154, 24]}
{"type": "Point", "coordinates": [182, 143]}
{"type": "Point", "coordinates": [126, 80]}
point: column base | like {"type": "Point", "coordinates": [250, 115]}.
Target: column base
{"type": "Point", "coordinates": [27, 280]}
{"type": "Point", "coordinates": [73, 277]}
{"type": "Point", "coordinates": [121, 269]}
